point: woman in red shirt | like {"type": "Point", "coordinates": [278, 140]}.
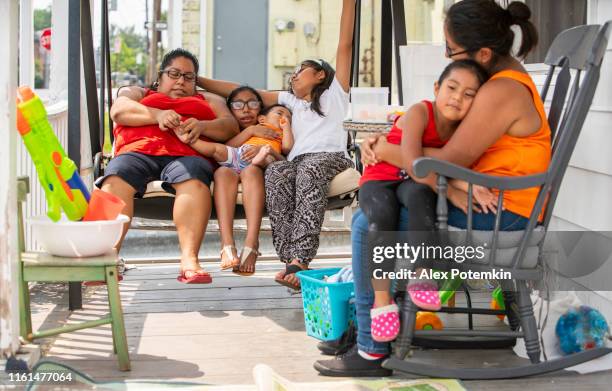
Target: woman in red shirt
{"type": "Point", "coordinates": [147, 149]}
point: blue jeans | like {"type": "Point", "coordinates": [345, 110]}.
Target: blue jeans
{"type": "Point", "coordinates": [364, 293]}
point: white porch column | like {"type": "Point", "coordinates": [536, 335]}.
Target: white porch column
{"type": "Point", "coordinates": [26, 43]}
{"type": "Point", "coordinates": [58, 79]}
{"type": "Point", "coordinates": [9, 305]}
{"type": "Point", "coordinates": [203, 37]}
{"type": "Point", "coordinates": [175, 24]}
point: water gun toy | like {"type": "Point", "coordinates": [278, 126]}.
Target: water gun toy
{"type": "Point", "coordinates": [58, 175]}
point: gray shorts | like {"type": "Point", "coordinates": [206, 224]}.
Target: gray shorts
{"type": "Point", "coordinates": [138, 169]}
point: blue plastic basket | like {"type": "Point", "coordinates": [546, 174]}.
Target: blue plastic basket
{"type": "Point", "coordinates": [328, 306]}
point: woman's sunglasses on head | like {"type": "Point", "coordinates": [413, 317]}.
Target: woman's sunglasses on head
{"type": "Point", "coordinates": [301, 67]}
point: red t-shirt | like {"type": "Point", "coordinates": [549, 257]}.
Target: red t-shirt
{"type": "Point", "coordinates": [150, 139]}
{"type": "Point", "coordinates": [384, 171]}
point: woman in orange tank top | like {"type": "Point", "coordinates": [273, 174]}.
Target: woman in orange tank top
{"type": "Point", "coordinates": [504, 133]}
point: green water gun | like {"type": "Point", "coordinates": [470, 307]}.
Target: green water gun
{"type": "Point", "coordinates": [58, 175]}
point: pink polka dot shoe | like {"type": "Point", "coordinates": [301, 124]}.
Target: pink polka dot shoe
{"type": "Point", "coordinates": [385, 323]}
{"type": "Point", "coordinates": [425, 295]}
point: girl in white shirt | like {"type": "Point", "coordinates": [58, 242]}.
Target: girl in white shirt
{"type": "Point", "coordinates": [296, 189]}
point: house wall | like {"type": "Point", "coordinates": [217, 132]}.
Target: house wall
{"type": "Point", "coordinates": [423, 22]}
{"type": "Point", "coordinates": [584, 199]}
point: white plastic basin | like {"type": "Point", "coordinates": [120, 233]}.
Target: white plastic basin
{"type": "Point", "coordinates": [67, 238]}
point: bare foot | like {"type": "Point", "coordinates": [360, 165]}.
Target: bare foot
{"type": "Point", "coordinates": [248, 259]}
{"type": "Point", "coordinates": [292, 278]}
{"type": "Point", "coordinates": [191, 267]}
{"type": "Point", "coordinates": [260, 158]}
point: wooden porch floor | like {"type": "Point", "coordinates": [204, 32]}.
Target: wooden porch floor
{"type": "Point", "coordinates": [217, 333]}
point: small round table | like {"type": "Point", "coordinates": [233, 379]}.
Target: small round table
{"type": "Point", "coordinates": [354, 127]}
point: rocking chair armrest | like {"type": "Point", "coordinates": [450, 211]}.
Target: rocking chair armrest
{"type": "Point", "coordinates": [423, 166]}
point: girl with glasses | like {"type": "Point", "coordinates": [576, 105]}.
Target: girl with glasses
{"type": "Point", "coordinates": [296, 189]}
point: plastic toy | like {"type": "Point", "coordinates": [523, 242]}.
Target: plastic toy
{"type": "Point", "coordinates": [58, 175]}
{"type": "Point", "coordinates": [447, 293]}
{"type": "Point", "coordinates": [581, 329]}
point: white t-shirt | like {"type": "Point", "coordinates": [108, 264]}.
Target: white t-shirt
{"type": "Point", "coordinates": [313, 133]}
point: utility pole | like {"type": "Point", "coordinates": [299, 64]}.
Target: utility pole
{"type": "Point", "coordinates": [154, 40]}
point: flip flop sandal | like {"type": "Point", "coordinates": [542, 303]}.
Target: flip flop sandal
{"type": "Point", "coordinates": [199, 277]}
{"type": "Point", "coordinates": [425, 295]}
{"type": "Point", "coordinates": [385, 323]}
{"type": "Point", "coordinates": [228, 252]}
{"type": "Point", "coordinates": [290, 269]}
{"type": "Point", "coordinates": [246, 252]}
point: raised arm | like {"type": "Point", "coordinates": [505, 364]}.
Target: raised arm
{"type": "Point", "coordinates": [344, 53]}
{"type": "Point", "coordinates": [224, 88]}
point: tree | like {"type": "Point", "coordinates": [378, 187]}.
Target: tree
{"type": "Point", "coordinates": [42, 18]}
{"type": "Point", "coordinates": [133, 47]}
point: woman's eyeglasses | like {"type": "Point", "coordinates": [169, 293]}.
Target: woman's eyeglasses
{"type": "Point", "coordinates": [176, 74]}
{"type": "Point", "coordinates": [239, 104]}
{"type": "Point", "coordinates": [451, 54]}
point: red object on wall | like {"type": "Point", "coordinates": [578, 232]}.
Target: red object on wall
{"type": "Point", "coordinates": [45, 38]}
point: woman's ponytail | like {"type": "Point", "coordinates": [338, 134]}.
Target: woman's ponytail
{"type": "Point", "coordinates": [520, 15]}
{"type": "Point", "coordinates": [476, 24]}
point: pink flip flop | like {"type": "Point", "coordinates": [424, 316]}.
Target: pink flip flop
{"type": "Point", "coordinates": [198, 277]}
{"type": "Point", "coordinates": [425, 295]}
{"type": "Point", "coordinates": [385, 323]}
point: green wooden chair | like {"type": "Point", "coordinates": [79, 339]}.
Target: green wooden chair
{"type": "Point", "coordinates": [43, 267]}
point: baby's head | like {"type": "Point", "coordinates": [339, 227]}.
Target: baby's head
{"type": "Point", "coordinates": [273, 114]}
{"type": "Point", "coordinates": [456, 88]}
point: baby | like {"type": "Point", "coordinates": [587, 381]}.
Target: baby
{"type": "Point", "coordinates": [276, 117]}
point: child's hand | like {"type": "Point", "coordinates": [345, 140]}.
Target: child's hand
{"type": "Point", "coordinates": [285, 124]}
{"type": "Point", "coordinates": [485, 198]}
{"type": "Point", "coordinates": [459, 198]}
{"type": "Point", "coordinates": [380, 145]}
{"type": "Point", "coordinates": [250, 152]}
{"type": "Point", "coordinates": [181, 134]}
{"type": "Point", "coordinates": [191, 128]}
{"type": "Point", "coordinates": [264, 132]}
{"type": "Point", "coordinates": [368, 156]}
{"type": "Point", "coordinates": [168, 119]}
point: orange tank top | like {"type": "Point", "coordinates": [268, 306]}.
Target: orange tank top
{"type": "Point", "coordinates": [519, 156]}
{"type": "Point", "coordinates": [274, 144]}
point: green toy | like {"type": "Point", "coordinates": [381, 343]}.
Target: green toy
{"type": "Point", "coordinates": [57, 174]}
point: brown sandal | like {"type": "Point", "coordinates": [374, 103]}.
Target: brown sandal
{"type": "Point", "coordinates": [246, 252]}
{"type": "Point", "coordinates": [290, 268]}
{"type": "Point", "coordinates": [228, 251]}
